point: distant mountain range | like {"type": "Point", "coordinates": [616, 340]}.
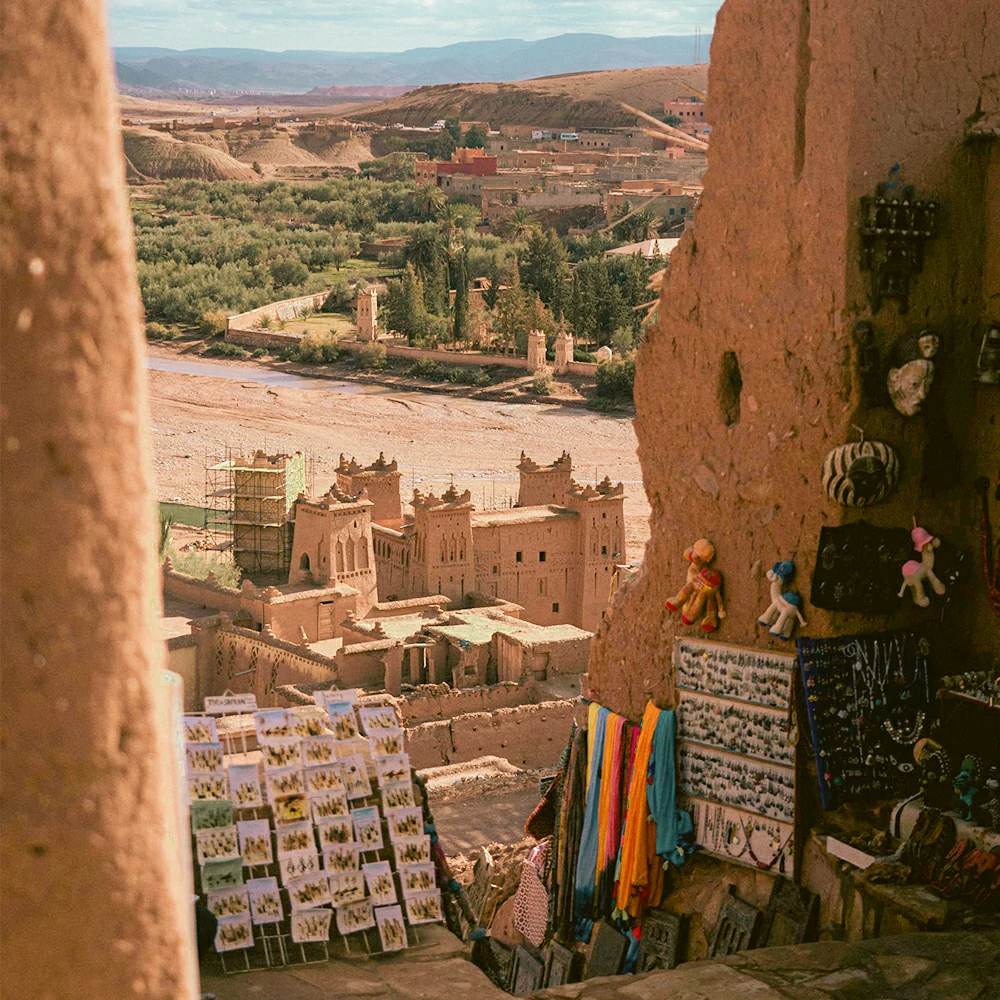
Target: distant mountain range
{"type": "Point", "coordinates": [255, 71]}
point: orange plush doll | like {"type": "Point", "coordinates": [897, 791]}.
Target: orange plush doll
{"type": "Point", "coordinates": [702, 592]}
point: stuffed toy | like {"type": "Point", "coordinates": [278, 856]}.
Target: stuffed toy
{"type": "Point", "coordinates": [915, 573]}
{"type": "Point", "coordinates": [701, 593]}
{"type": "Point", "coordinates": [783, 611]}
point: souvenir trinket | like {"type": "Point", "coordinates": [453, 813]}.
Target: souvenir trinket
{"type": "Point", "coordinates": [784, 609]}
{"type": "Point", "coordinates": [915, 574]}
{"type": "Point", "coordinates": [988, 362]}
{"type": "Point", "coordinates": [966, 785]}
{"type": "Point", "coordinates": [860, 473]}
{"type": "Point", "coordinates": [935, 770]}
{"type": "Point", "coordinates": [894, 227]}
{"type": "Point", "coordinates": [702, 592]}
{"type": "Point", "coordinates": [993, 800]}
{"type": "Point", "coordinates": [911, 371]}
{"type": "Point", "coordinates": [871, 382]}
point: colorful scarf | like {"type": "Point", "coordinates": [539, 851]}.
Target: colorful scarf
{"type": "Point", "coordinates": [661, 791]}
{"type": "Point", "coordinates": [609, 810]}
{"type": "Point", "coordinates": [586, 864]}
{"type": "Point", "coordinates": [633, 860]}
{"type": "Point", "coordinates": [566, 840]}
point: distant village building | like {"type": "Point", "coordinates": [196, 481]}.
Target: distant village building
{"type": "Point", "coordinates": [474, 162]}
{"type": "Point", "coordinates": [688, 109]}
{"type": "Point", "coordinates": [644, 248]}
{"type": "Point", "coordinates": [367, 314]}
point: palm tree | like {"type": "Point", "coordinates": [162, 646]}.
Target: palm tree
{"type": "Point", "coordinates": [422, 249]}
{"type": "Point", "coordinates": [430, 199]}
{"type": "Point", "coordinates": [518, 226]}
{"type": "Point", "coordinates": [637, 226]}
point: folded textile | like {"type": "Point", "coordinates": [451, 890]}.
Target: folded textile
{"type": "Point", "coordinates": [633, 861]}
{"type": "Point", "coordinates": [661, 790]}
{"type": "Point", "coordinates": [586, 863]}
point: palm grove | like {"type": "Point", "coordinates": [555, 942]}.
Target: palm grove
{"type": "Point", "coordinates": [208, 248]}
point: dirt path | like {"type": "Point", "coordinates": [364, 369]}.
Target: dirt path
{"type": "Point", "coordinates": [438, 439]}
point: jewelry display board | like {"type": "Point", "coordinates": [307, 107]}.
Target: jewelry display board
{"type": "Point", "coordinates": [736, 750]}
{"type": "Point", "coordinates": [868, 699]}
{"type": "Point", "coordinates": [295, 844]}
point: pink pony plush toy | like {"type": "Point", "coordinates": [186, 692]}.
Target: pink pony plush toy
{"type": "Point", "coordinates": [916, 573]}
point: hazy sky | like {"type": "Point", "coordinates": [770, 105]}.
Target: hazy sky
{"type": "Point", "coordinates": [390, 25]}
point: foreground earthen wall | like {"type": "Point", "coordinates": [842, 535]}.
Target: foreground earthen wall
{"type": "Point", "coordinates": [96, 895]}
{"type": "Point", "coordinates": [813, 105]}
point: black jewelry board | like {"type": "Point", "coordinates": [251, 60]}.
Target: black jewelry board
{"type": "Point", "coordinates": [859, 567]}
{"type": "Point", "coordinates": [868, 699]}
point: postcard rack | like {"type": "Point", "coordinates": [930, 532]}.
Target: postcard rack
{"type": "Point", "coordinates": [306, 831]}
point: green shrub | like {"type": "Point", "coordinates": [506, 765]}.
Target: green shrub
{"type": "Point", "coordinates": [264, 323]}
{"type": "Point", "coordinates": [579, 355]}
{"type": "Point", "coordinates": [542, 383]}
{"type": "Point", "coordinates": [433, 371]}
{"type": "Point", "coordinates": [316, 349]}
{"type": "Point", "coordinates": [157, 331]}
{"type": "Point", "coordinates": [199, 563]}
{"type": "Point", "coordinates": [224, 350]}
{"type": "Point", "coordinates": [372, 357]}
{"type": "Point", "coordinates": [213, 323]}
{"type": "Point", "coordinates": [474, 376]}
{"type": "Point", "coordinates": [340, 298]}
{"type": "Point", "coordinates": [616, 378]}
{"type": "Point", "coordinates": [259, 353]}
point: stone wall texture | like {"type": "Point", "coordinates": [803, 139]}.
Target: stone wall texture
{"type": "Point", "coordinates": [811, 106]}
{"type": "Point", "coordinates": [97, 894]}
{"type": "Point", "coordinates": [527, 736]}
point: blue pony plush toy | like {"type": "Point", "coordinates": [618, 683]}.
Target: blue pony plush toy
{"type": "Point", "coordinates": [784, 609]}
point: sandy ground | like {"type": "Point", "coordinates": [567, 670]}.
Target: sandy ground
{"type": "Point", "coordinates": [438, 439]}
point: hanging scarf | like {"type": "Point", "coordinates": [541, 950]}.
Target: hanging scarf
{"type": "Point", "coordinates": [633, 861]}
{"type": "Point", "coordinates": [586, 864]}
{"type": "Point", "coordinates": [609, 810]}
{"type": "Point", "coordinates": [661, 792]}
{"type": "Point", "coordinates": [568, 833]}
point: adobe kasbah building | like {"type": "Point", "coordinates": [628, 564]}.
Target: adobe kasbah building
{"type": "Point", "coordinates": [555, 553]}
{"type": "Point", "coordinates": [748, 392]}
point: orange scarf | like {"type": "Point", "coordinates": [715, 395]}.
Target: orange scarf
{"type": "Point", "coordinates": [638, 866]}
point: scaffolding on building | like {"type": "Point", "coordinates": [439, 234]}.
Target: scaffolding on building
{"type": "Point", "coordinates": [249, 501]}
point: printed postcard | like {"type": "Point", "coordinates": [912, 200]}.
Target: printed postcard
{"type": "Point", "coordinates": [309, 891]}
{"type": "Point", "coordinates": [265, 901]}
{"type": "Point", "coordinates": [381, 884]}
{"type": "Point", "coordinates": [346, 887]}
{"type": "Point", "coordinates": [391, 929]}
{"type": "Point", "coordinates": [233, 933]}
{"type": "Point", "coordinates": [211, 813]}
{"type": "Point", "coordinates": [355, 917]}
{"type": "Point", "coordinates": [424, 907]}
{"type": "Point", "coordinates": [311, 925]}
{"type": "Point", "coordinates": [416, 878]}
{"type": "Point", "coordinates": [217, 844]}
{"type": "Point", "coordinates": [204, 758]}
{"type": "Point", "coordinates": [255, 842]}
{"type": "Point", "coordinates": [412, 851]}
{"type": "Point", "coordinates": [397, 795]}
{"type": "Point", "coordinates": [200, 729]}
{"type": "Point", "coordinates": [244, 781]}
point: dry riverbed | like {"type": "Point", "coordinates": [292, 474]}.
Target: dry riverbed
{"type": "Point", "coordinates": [438, 438]}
